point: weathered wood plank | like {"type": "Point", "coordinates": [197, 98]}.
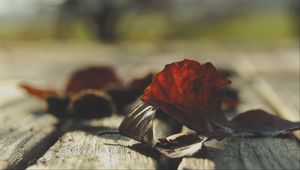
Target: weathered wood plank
{"type": "Point", "coordinates": [276, 62]}
{"type": "Point", "coordinates": [282, 93]}
{"type": "Point", "coordinates": [196, 163]}
{"type": "Point", "coordinates": [247, 153]}
{"type": "Point", "coordinates": [88, 150]}
{"type": "Point", "coordinates": [10, 93]}
{"type": "Point", "coordinates": [254, 153]}
{"type": "Point", "coordinates": [25, 133]}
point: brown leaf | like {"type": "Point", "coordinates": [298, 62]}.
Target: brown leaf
{"type": "Point", "coordinates": [180, 145]}
{"type": "Point", "coordinates": [263, 123]}
{"type": "Point", "coordinates": [91, 78]}
{"type": "Point", "coordinates": [89, 104]}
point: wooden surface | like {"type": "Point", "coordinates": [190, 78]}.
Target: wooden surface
{"type": "Point", "coordinates": [89, 150]}
{"type": "Point", "coordinates": [24, 134]}
{"type": "Point", "coordinates": [242, 153]}
{"type": "Point", "coordinates": [81, 150]}
{"type": "Point", "coordinates": [33, 139]}
{"type": "Point", "coordinates": [282, 93]}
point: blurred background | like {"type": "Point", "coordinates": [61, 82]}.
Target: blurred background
{"type": "Point", "coordinates": [227, 22]}
{"type": "Point", "coordinates": [41, 38]}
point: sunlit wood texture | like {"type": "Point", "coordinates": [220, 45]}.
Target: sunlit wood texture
{"type": "Point", "coordinates": [89, 150]}
{"type": "Point", "coordinates": [25, 133]}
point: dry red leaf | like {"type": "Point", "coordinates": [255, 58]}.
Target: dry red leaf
{"type": "Point", "coordinates": [190, 92]}
{"type": "Point", "coordinates": [37, 92]}
{"type": "Point", "coordinates": [91, 78]}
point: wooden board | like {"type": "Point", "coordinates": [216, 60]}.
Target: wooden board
{"type": "Point", "coordinates": [88, 150]}
{"type": "Point", "coordinates": [282, 93]}
{"type": "Point", "coordinates": [196, 163]}
{"type": "Point", "coordinates": [242, 153]}
{"type": "Point", "coordinates": [25, 133]}
{"type": "Point", "coordinates": [280, 62]}
{"type": "Point", "coordinates": [254, 153]}
{"type": "Point", "coordinates": [10, 93]}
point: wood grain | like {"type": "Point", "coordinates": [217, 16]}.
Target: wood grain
{"type": "Point", "coordinates": [81, 150]}
{"type": "Point", "coordinates": [196, 163]}
{"type": "Point", "coordinates": [85, 149]}
{"type": "Point", "coordinates": [280, 62]}
{"type": "Point", "coordinates": [282, 93]}
{"type": "Point", "coordinates": [254, 153]}
{"type": "Point", "coordinates": [25, 133]}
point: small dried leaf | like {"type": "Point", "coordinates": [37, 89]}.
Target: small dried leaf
{"type": "Point", "coordinates": [263, 123]}
{"type": "Point", "coordinates": [37, 92]}
{"type": "Point", "coordinates": [180, 145]}
{"type": "Point", "coordinates": [91, 78]}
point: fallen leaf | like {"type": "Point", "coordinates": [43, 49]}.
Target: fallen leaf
{"type": "Point", "coordinates": [180, 145]}
{"type": "Point", "coordinates": [91, 78]}
{"type": "Point", "coordinates": [262, 123]}
{"type": "Point", "coordinates": [190, 92]}
{"type": "Point", "coordinates": [37, 92]}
